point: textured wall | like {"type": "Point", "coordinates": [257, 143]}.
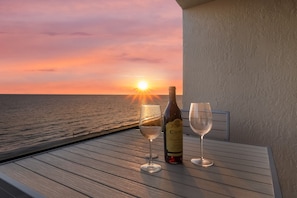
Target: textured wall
{"type": "Point", "coordinates": [241, 55]}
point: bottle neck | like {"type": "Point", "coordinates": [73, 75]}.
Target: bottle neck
{"type": "Point", "coordinates": [172, 95]}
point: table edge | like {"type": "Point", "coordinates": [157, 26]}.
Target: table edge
{"type": "Point", "coordinates": [276, 185]}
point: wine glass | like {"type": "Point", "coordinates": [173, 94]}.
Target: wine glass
{"type": "Point", "coordinates": [150, 125]}
{"type": "Point", "coordinates": [200, 117]}
{"type": "Point", "coordinates": [154, 155]}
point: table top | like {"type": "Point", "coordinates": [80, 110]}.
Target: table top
{"type": "Point", "coordinates": [109, 166]}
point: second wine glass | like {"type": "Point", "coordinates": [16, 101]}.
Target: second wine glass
{"type": "Point", "coordinates": [200, 117]}
{"type": "Point", "coordinates": [150, 125]}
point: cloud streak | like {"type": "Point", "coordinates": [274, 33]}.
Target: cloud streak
{"type": "Point", "coordinates": [67, 34]}
{"type": "Point", "coordinates": [42, 70]}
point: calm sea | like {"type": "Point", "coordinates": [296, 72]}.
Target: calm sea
{"type": "Point", "coordinates": [27, 120]}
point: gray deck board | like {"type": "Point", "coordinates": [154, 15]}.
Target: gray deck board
{"type": "Point", "coordinates": [75, 181]}
{"type": "Point", "coordinates": [37, 182]}
{"type": "Point", "coordinates": [109, 166]}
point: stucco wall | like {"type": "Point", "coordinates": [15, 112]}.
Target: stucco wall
{"type": "Point", "coordinates": [241, 56]}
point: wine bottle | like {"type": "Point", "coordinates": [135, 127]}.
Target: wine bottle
{"type": "Point", "coordinates": [173, 130]}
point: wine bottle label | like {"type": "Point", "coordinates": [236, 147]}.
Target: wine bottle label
{"type": "Point", "coordinates": [174, 137]}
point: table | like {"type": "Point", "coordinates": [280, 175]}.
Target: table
{"type": "Point", "coordinates": [108, 166]}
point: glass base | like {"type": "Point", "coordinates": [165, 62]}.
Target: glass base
{"type": "Point", "coordinates": [151, 168]}
{"type": "Point", "coordinates": [202, 162]}
{"type": "Point", "coordinates": [154, 156]}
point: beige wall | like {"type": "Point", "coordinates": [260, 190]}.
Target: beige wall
{"type": "Point", "coordinates": [241, 55]}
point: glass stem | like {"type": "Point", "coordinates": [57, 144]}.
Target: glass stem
{"type": "Point", "coordinates": [201, 146]}
{"type": "Point", "coordinates": [151, 156]}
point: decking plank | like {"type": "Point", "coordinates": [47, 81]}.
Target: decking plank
{"type": "Point", "coordinates": [37, 182]}
{"type": "Point", "coordinates": [65, 178]}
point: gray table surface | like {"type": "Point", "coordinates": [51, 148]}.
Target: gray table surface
{"type": "Point", "coordinates": [109, 166]}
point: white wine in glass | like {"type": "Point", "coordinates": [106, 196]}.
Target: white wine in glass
{"type": "Point", "coordinates": [200, 117]}
{"type": "Point", "coordinates": [150, 125]}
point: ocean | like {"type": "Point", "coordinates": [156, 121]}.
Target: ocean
{"type": "Point", "coordinates": [28, 120]}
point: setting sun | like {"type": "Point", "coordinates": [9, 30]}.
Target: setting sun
{"type": "Point", "coordinates": [143, 93]}
{"type": "Point", "coordinates": [142, 85]}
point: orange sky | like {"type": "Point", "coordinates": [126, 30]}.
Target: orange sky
{"type": "Point", "coordinates": [90, 46]}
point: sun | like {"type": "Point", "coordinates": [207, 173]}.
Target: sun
{"type": "Point", "coordinates": [143, 93]}
{"type": "Point", "coordinates": [142, 86]}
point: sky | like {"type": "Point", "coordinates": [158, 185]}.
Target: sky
{"type": "Point", "coordinates": [89, 46]}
